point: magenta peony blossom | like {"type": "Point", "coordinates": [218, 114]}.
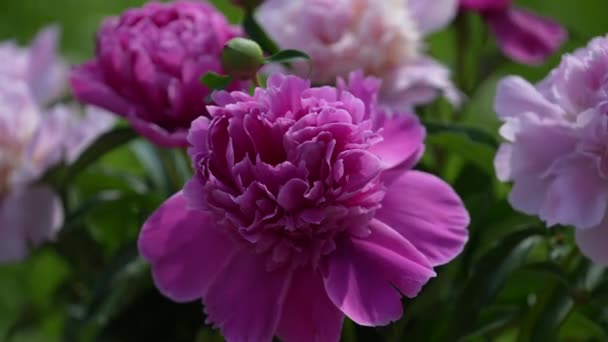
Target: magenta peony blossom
{"type": "Point", "coordinates": [557, 150]}
{"type": "Point", "coordinates": [303, 209]}
{"type": "Point", "coordinates": [523, 36]}
{"type": "Point", "coordinates": [382, 38]}
{"type": "Point", "coordinates": [33, 139]}
{"type": "Point", "coordinates": [148, 65]}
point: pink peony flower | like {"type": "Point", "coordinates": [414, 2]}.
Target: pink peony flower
{"type": "Point", "coordinates": [523, 36]}
{"type": "Point", "coordinates": [303, 209]}
{"type": "Point", "coordinates": [557, 149]}
{"type": "Point", "coordinates": [148, 65]}
{"type": "Point", "coordinates": [382, 38]}
{"type": "Point", "coordinates": [33, 139]}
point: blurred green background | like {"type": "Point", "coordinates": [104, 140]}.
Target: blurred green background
{"type": "Point", "coordinates": [514, 282]}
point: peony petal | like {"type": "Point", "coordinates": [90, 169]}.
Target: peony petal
{"type": "Point", "coordinates": [538, 144]}
{"type": "Point", "coordinates": [365, 277]}
{"type": "Point", "coordinates": [528, 194]}
{"type": "Point", "coordinates": [88, 87]}
{"type": "Point", "coordinates": [418, 82]}
{"type": "Point", "coordinates": [402, 142]}
{"type": "Point", "coordinates": [48, 144]}
{"type": "Point", "coordinates": [185, 249]}
{"type": "Point", "coordinates": [19, 229]}
{"type": "Point", "coordinates": [577, 196]}
{"type": "Point", "coordinates": [526, 37]}
{"type": "Point", "coordinates": [86, 130]}
{"type": "Point", "coordinates": [485, 5]}
{"type": "Point", "coordinates": [308, 314]}
{"type": "Point", "coordinates": [158, 134]}
{"type": "Point", "coordinates": [592, 242]}
{"type": "Point", "coordinates": [502, 162]}
{"type": "Point", "coordinates": [245, 300]}
{"type": "Point", "coordinates": [46, 74]}
{"type": "Point", "coordinates": [431, 16]}
{"type": "Point", "coordinates": [428, 213]}
{"type": "Point", "coordinates": [516, 96]}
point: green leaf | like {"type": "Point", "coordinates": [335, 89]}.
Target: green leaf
{"type": "Point", "coordinates": [74, 218]}
{"type": "Point", "coordinates": [216, 81]}
{"type": "Point", "coordinates": [476, 134]}
{"type": "Point", "coordinates": [551, 308]}
{"type": "Point", "coordinates": [257, 33]}
{"type": "Point", "coordinates": [550, 269]}
{"type": "Point", "coordinates": [579, 327]}
{"type": "Point", "coordinates": [491, 272]}
{"type": "Point", "coordinates": [287, 55]}
{"type": "Point", "coordinates": [479, 154]}
{"type": "Point", "coordinates": [115, 288]}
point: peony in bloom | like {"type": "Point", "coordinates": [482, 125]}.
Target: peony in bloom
{"type": "Point", "coordinates": [33, 139]}
{"type": "Point", "coordinates": [148, 65]}
{"type": "Point", "coordinates": [303, 209]}
{"type": "Point", "coordinates": [523, 36]}
{"type": "Point", "coordinates": [382, 38]}
{"type": "Point", "coordinates": [556, 153]}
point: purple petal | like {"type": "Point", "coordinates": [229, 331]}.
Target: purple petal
{"type": "Point", "coordinates": [428, 213]}
{"type": "Point", "coordinates": [19, 229]}
{"type": "Point", "coordinates": [485, 5]}
{"type": "Point", "coordinates": [159, 135]}
{"type": "Point", "coordinates": [528, 194]}
{"type": "Point", "coordinates": [47, 145]}
{"type": "Point", "coordinates": [592, 243]}
{"type": "Point", "coordinates": [526, 37]}
{"type": "Point", "coordinates": [245, 301]}
{"type": "Point", "coordinates": [308, 314]}
{"type": "Point", "coordinates": [577, 196]}
{"type": "Point", "coordinates": [431, 16]}
{"type": "Point", "coordinates": [538, 144]}
{"type": "Point", "coordinates": [502, 162]}
{"type": "Point", "coordinates": [88, 87]}
{"type": "Point", "coordinates": [86, 130]}
{"type": "Point", "coordinates": [516, 96]}
{"type": "Point", "coordinates": [402, 143]}
{"type": "Point", "coordinates": [418, 82]}
{"type": "Point", "coordinates": [365, 277]}
{"type": "Point", "coordinates": [185, 249]}
{"type": "Point", "coordinates": [46, 74]}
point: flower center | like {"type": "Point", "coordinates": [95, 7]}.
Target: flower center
{"type": "Point", "coordinates": [289, 187]}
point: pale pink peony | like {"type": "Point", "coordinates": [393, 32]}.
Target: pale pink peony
{"type": "Point", "coordinates": [148, 66]}
{"type": "Point", "coordinates": [557, 150]}
{"type": "Point", "coordinates": [33, 139]}
{"type": "Point", "coordinates": [522, 35]}
{"type": "Point", "coordinates": [382, 38]}
{"type": "Point", "coordinates": [303, 209]}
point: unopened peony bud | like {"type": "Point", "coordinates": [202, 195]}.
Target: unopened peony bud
{"type": "Point", "coordinates": [242, 58]}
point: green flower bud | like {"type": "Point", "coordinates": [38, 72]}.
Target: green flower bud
{"type": "Point", "coordinates": [242, 58]}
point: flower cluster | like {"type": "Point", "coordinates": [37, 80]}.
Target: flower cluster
{"type": "Point", "coordinates": [557, 149]}
{"type": "Point", "coordinates": [148, 65]}
{"type": "Point", "coordinates": [33, 139]}
{"type": "Point", "coordinates": [382, 38]}
{"type": "Point", "coordinates": [304, 209]}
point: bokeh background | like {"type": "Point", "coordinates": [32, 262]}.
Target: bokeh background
{"type": "Point", "coordinates": [515, 281]}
